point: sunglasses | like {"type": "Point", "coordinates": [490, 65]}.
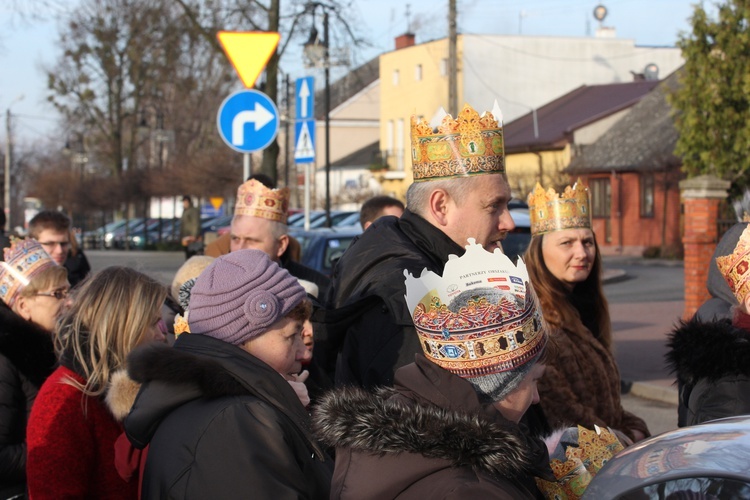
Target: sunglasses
{"type": "Point", "coordinates": [58, 294]}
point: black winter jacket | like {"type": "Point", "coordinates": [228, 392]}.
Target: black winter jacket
{"type": "Point", "coordinates": [427, 437]}
{"type": "Point", "coordinates": [27, 358]}
{"type": "Point", "coordinates": [221, 424]}
{"type": "Point", "coordinates": [712, 365]}
{"type": "Point", "coordinates": [366, 320]}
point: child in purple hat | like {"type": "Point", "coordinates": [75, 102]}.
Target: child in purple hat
{"type": "Point", "coordinates": [217, 409]}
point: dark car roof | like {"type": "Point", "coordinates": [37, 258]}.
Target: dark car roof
{"type": "Point", "coordinates": [720, 448]}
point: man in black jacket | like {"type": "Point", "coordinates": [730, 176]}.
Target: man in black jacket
{"type": "Point", "coordinates": [460, 191]}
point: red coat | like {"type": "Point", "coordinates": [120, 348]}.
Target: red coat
{"type": "Point", "coordinates": [72, 455]}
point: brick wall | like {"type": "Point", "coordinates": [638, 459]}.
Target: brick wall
{"type": "Point", "coordinates": [701, 235]}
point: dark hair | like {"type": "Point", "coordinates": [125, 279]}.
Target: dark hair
{"type": "Point", "coordinates": [302, 311]}
{"type": "Point", "coordinates": [187, 198]}
{"type": "Point", "coordinates": [562, 307]}
{"type": "Point", "coordinates": [373, 208]}
{"type": "Point", "coordinates": [48, 219]}
{"type": "Point", "coordinates": [263, 179]}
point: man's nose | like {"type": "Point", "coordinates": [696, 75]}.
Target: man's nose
{"type": "Point", "coordinates": [506, 222]}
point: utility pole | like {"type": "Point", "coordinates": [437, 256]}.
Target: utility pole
{"type": "Point", "coordinates": [452, 60]}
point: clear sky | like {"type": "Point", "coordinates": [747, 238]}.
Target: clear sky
{"type": "Point", "coordinates": [26, 47]}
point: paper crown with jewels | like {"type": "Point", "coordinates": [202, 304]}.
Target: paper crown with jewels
{"type": "Point", "coordinates": [734, 267]}
{"type": "Point", "coordinates": [550, 211]}
{"type": "Point", "coordinates": [24, 259]}
{"type": "Point", "coordinates": [255, 199]}
{"type": "Point", "coordinates": [467, 145]}
{"type": "Point", "coordinates": [480, 318]}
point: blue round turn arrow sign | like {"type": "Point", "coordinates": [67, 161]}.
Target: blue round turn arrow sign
{"type": "Point", "coordinates": [248, 121]}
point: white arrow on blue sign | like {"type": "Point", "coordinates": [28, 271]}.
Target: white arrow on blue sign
{"type": "Point", "coordinates": [248, 121]}
{"type": "Point", "coordinates": [304, 90]}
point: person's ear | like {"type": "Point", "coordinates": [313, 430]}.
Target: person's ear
{"type": "Point", "coordinates": [439, 206]}
{"type": "Point", "coordinates": [22, 307]}
{"type": "Point", "coordinates": [283, 244]}
{"type": "Point", "coordinates": [746, 304]}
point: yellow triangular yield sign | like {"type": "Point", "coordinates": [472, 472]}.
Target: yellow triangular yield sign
{"type": "Point", "coordinates": [248, 51]}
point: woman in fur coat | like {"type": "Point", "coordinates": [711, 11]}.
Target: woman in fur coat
{"type": "Point", "coordinates": [32, 288]}
{"type": "Point", "coordinates": [582, 383]}
{"type": "Point", "coordinates": [72, 433]}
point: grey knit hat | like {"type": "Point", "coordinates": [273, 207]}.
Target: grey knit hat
{"type": "Point", "coordinates": [240, 295]}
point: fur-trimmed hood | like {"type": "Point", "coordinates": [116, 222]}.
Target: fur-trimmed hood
{"type": "Point", "coordinates": [383, 423]}
{"type": "Point", "coordinates": [121, 394]}
{"type": "Point", "coordinates": [27, 346]}
{"type": "Point", "coordinates": [710, 351]}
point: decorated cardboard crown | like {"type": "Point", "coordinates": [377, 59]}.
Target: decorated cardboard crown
{"type": "Point", "coordinates": [578, 457]}
{"type": "Point", "coordinates": [550, 211]}
{"type": "Point", "coordinates": [467, 145]}
{"type": "Point", "coordinates": [734, 267]}
{"type": "Point", "coordinates": [481, 317]}
{"type": "Point", "coordinates": [24, 259]}
{"type": "Point", "coordinates": [255, 199]}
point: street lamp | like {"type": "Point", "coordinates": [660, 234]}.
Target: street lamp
{"type": "Point", "coordinates": [318, 52]}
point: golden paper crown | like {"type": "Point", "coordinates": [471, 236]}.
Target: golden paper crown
{"type": "Point", "coordinates": [549, 211]}
{"type": "Point", "coordinates": [734, 267]}
{"type": "Point", "coordinates": [480, 317]}
{"type": "Point", "coordinates": [467, 145]}
{"type": "Point", "coordinates": [583, 460]}
{"type": "Point", "coordinates": [24, 259]}
{"type": "Point", "coordinates": [255, 199]}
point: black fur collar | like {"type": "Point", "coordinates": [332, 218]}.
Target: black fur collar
{"type": "Point", "coordinates": [709, 351]}
{"type": "Point", "coordinates": [384, 423]}
{"type": "Point", "coordinates": [27, 346]}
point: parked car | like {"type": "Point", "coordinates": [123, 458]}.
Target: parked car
{"type": "Point", "coordinates": [321, 248]}
{"type": "Point", "coordinates": [517, 241]}
{"type": "Point", "coordinates": [705, 461]}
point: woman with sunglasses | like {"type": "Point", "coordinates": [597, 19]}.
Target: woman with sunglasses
{"type": "Point", "coordinates": [32, 289]}
{"type": "Point", "coordinates": [72, 433]}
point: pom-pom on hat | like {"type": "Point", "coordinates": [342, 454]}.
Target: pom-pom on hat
{"type": "Point", "coordinates": [24, 259]}
{"type": "Point", "coordinates": [480, 320]}
{"type": "Point", "coordinates": [240, 295]}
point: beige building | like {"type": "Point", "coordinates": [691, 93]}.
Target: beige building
{"type": "Point", "coordinates": [521, 72]}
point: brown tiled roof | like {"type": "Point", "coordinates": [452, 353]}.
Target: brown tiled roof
{"type": "Point", "coordinates": [559, 118]}
{"type": "Point", "coordinates": [643, 140]}
{"type": "Point", "coordinates": [347, 86]}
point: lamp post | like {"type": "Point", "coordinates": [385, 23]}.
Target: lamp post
{"type": "Point", "coordinates": [8, 162]}
{"type": "Point", "coordinates": [318, 52]}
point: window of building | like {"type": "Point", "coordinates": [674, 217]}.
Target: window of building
{"type": "Point", "coordinates": [444, 67]}
{"type": "Point", "coordinates": [395, 77]}
{"type": "Point", "coordinates": [647, 194]}
{"type": "Point", "coordinates": [601, 197]}
{"type": "Point", "coordinates": [400, 144]}
{"type": "Point", "coordinates": [418, 72]}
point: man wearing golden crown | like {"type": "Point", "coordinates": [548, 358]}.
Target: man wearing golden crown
{"type": "Point", "coordinates": [259, 222]}
{"type": "Point", "coordinates": [460, 191]}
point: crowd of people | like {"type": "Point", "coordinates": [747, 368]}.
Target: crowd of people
{"type": "Point", "coordinates": [429, 365]}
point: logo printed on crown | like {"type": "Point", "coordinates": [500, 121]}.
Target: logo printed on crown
{"type": "Point", "coordinates": [734, 267]}
{"type": "Point", "coordinates": [461, 147]}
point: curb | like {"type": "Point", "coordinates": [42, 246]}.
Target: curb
{"type": "Point", "coordinates": [614, 275]}
{"type": "Point", "coordinates": [654, 392]}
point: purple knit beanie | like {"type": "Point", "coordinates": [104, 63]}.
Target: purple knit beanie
{"type": "Point", "coordinates": [240, 295]}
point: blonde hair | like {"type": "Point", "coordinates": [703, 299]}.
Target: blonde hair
{"type": "Point", "coordinates": [109, 316]}
{"type": "Point", "coordinates": [49, 277]}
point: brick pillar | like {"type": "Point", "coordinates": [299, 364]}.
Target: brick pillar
{"type": "Point", "coordinates": [701, 196]}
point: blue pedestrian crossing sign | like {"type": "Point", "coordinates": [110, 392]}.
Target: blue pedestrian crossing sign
{"type": "Point", "coordinates": [304, 123]}
{"type": "Point", "coordinates": [248, 121]}
{"type": "Point", "coordinates": [304, 141]}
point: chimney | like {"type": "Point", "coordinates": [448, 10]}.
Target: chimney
{"type": "Point", "coordinates": [404, 41]}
